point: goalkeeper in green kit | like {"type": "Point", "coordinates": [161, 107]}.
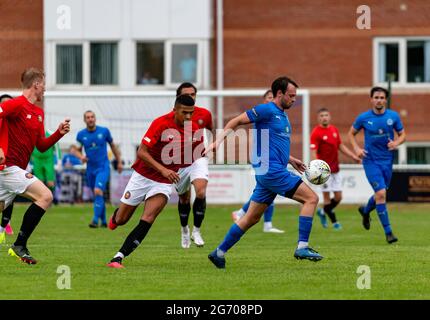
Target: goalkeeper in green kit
{"type": "Point", "coordinates": [44, 165]}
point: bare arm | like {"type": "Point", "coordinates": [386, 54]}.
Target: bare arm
{"type": "Point", "coordinates": [145, 156]}
{"type": "Point", "coordinates": [345, 150]}
{"type": "Point", "coordinates": [117, 154]}
{"type": "Point", "coordinates": [78, 153]}
{"type": "Point", "coordinates": [229, 127]}
{"type": "Point", "coordinates": [297, 164]}
{"type": "Point", "coordinates": [359, 152]}
{"type": "Point", "coordinates": [393, 144]}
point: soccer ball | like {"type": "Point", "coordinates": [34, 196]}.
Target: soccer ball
{"type": "Point", "coordinates": [318, 172]}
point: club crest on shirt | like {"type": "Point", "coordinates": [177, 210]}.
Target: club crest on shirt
{"type": "Point", "coordinates": [390, 122]}
{"type": "Point", "coordinates": [127, 195]}
{"type": "Point", "coordinates": [100, 136]}
{"type": "Point", "coordinates": [334, 135]}
{"type": "Point", "coordinates": [39, 118]}
{"type": "Point", "coordinates": [200, 122]}
{"type": "Point", "coordinates": [28, 175]}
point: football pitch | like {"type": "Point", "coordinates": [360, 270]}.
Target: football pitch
{"type": "Point", "coordinates": [260, 266]}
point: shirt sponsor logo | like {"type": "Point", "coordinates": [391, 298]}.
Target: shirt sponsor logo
{"type": "Point", "coordinates": [390, 122]}
{"type": "Point", "coordinates": [147, 139]}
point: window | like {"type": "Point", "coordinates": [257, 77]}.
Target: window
{"type": "Point", "coordinates": [405, 60]}
{"type": "Point", "coordinates": [388, 61]}
{"type": "Point", "coordinates": [150, 63]}
{"type": "Point", "coordinates": [418, 154]}
{"type": "Point", "coordinates": [184, 63]}
{"type": "Point", "coordinates": [69, 64]}
{"type": "Point", "coordinates": [104, 63]}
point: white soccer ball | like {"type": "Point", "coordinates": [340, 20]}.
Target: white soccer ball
{"type": "Point", "coordinates": [318, 172]}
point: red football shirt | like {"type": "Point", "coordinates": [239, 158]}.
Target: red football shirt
{"type": "Point", "coordinates": [202, 117]}
{"type": "Point", "coordinates": [326, 142]}
{"type": "Point", "coordinates": [25, 130]}
{"type": "Point", "coordinates": [169, 144]}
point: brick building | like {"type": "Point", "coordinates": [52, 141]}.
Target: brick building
{"type": "Point", "coordinates": [316, 42]}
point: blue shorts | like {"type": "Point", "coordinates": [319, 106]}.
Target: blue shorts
{"type": "Point", "coordinates": [98, 177]}
{"type": "Point", "coordinates": [271, 184]}
{"type": "Point", "coordinates": [378, 174]}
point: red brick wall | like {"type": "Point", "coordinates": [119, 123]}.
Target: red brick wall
{"type": "Point", "coordinates": [314, 41]}
{"type": "Point", "coordinates": [21, 39]}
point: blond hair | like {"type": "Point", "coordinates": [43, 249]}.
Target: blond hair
{"type": "Point", "coordinates": [30, 75]}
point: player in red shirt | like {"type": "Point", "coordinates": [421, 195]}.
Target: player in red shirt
{"type": "Point", "coordinates": [166, 147]}
{"type": "Point", "coordinates": [5, 227]}
{"type": "Point", "coordinates": [25, 130]}
{"type": "Point", "coordinates": [325, 145]}
{"type": "Point", "coordinates": [197, 175]}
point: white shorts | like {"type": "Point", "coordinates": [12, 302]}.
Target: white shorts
{"type": "Point", "coordinates": [197, 170]}
{"type": "Point", "coordinates": [140, 188]}
{"type": "Point", "coordinates": [13, 181]}
{"type": "Point", "coordinates": [333, 184]}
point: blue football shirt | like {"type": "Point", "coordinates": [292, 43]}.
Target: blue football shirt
{"type": "Point", "coordinates": [271, 141]}
{"type": "Point", "coordinates": [95, 145]}
{"type": "Point", "coordinates": [378, 130]}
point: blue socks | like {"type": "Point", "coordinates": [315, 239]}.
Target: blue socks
{"type": "Point", "coordinates": [99, 210]}
{"type": "Point", "coordinates": [233, 235]}
{"type": "Point", "coordinates": [246, 206]}
{"type": "Point", "coordinates": [381, 209]}
{"type": "Point", "coordinates": [268, 214]}
{"type": "Point", "coordinates": [305, 227]}
{"type": "Point", "coordinates": [371, 204]}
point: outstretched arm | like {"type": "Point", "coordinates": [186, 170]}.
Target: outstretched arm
{"type": "Point", "coordinates": [229, 127]}
{"type": "Point", "coordinates": [44, 144]}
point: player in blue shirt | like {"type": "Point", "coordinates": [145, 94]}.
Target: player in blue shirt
{"type": "Point", "coordinates": [379, 125]}
{"type": "Point", "coordinates": [94, 140]}
{"type": "Point", "coordinates": [271, 155]}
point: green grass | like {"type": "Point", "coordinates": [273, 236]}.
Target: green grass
{"type": "Point", "coordinates": [260, 266]}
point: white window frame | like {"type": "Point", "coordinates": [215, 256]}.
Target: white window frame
{"type": "Point", "coordinates": [406, 145]}
{"type": "Point", "coordinates": [86, 60]}
{"type": "Point", "coordinates": [402, 42]}
{"type": "Point", "coordinates": [168, 62]}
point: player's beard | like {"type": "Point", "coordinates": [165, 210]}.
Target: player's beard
{"type": "Point", "coordinates": [285, 105]}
